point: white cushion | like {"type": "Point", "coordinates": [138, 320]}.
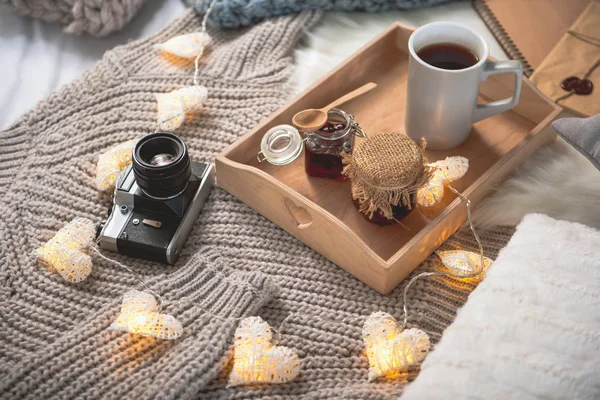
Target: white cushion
{"type": "Point", "coordinates": [531, 329]}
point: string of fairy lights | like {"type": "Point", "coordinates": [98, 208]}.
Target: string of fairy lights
{"type": "Point", "coordinates": [258, 358]}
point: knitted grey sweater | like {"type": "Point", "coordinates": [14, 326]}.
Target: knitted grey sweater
{"type": "Point", "coordinates": [53, 337]}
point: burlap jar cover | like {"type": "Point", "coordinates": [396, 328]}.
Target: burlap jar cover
{"type": "Point", "coordinates": [386, 170]}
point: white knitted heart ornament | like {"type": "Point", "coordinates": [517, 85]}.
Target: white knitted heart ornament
{"type": "Point", "coordinates": [447, 170]}
{"type": "Point", "coordinates": [186, 46]}
{"type": "Point", "coordinates": [66, 251]}
{"type": "Point", "coordinates": [465, 263]}
{"type": "Point", "coordinates": [139, 314]}
{"type": "Point", "coordinates": [256, 360]}
{"type": "Point", "coordinates": [173, 106]}
{"type": "Point", "coordinates": [111, 163]}
{"type": "Point", "coordinates": [388, 348]}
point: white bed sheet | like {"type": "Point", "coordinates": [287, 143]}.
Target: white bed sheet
{"type": "Point", "coordinates": [37, 58]}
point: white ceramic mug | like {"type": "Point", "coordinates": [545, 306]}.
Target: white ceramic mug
{"type": "Point", "coordinates": [441, 103]}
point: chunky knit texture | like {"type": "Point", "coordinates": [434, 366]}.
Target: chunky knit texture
{"type": "Point", "coordinates": [95, 17]}
{"type": "Point", "coordinates": [53, 337]}
{"type": "Point", "coordinates": [236, 13]}
{"type": "Point", "coordinates": [88, 361]}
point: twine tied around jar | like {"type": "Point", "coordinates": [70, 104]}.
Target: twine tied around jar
{"type": "Point", "coordinates": [385, 170]}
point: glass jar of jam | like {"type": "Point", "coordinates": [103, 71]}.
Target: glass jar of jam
{"type": "Point", "coordinates": [323, 148]}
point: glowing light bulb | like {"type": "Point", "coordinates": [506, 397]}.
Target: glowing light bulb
{"type": "Point", "coordinates": [137, 322]}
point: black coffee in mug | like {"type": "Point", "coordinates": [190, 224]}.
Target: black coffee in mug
{"type": "Point", "coordinates": [441, 104]}
{"type": "Point", "coordinates": [448, 56]}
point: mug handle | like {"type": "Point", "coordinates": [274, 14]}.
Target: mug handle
{"type": "Point", "coordinates": [483, 111]}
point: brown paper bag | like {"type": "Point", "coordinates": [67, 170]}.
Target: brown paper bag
{"type": "Point", "coordinates": [576, 54]}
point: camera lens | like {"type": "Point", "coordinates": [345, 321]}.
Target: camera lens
{"type": "Point", "coordinates": [161, 165]}
{"type": "Point", "coordinates": [162, 159]}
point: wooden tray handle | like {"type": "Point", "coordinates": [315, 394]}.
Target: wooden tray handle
{"type": "Point", "coordinates": [300, 215]}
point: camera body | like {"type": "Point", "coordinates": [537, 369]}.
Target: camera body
{"type": "Point", "coordinates": [157, 200]}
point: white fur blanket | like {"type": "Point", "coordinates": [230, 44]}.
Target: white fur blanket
{"type": "Point", "coordinates": [530, 329]}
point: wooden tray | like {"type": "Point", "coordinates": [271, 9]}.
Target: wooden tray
{"type": "Point", "coordinates": [320, 213]}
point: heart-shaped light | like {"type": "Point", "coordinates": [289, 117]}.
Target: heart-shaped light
{"type": "Point", "coordinates": [464, 263]}
{"type": "Point", "coordinates": [388, 348]}
{"type": "Point", "coordinates": [186, 46]}
{"type": "Point", "coordinates": [447, 171]}
{"type": "Point", "coordinates": [111, 163]}
{"type": "Point", "coordinates": [66, 251]}
{"type": "Point", "coordinates": [432, 193]}
{"type": "Point", "coordinates": [256, 360]}
{"type": "Point", "coordinates": [139, 314]}
{"type": "Point", "coordinates": [173, 106]}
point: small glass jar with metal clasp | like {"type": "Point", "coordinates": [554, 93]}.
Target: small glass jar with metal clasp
{"type": "Point", "coordinates": [323, 148]}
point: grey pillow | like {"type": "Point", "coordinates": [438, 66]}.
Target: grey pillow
{"type": "Point", "coordinates": [583, 134]}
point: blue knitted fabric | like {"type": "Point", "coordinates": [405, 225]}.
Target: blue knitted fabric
{"type": "Point", "coordinates": [237, 13]}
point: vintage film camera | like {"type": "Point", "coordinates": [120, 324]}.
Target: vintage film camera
{"type": "Point", "coordinates": [157, 200]}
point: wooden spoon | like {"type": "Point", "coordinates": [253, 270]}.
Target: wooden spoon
{"type": "Point", "coordinates": [313, 119]}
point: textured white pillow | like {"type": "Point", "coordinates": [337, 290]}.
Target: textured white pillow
{"type": "Point", "coordinates": [531, 329]}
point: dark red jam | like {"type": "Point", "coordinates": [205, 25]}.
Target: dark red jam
{"type": "Point", "coordinates": [324, 165]}
{"type": "Point", "coordinates": [322, 152]}
{"type": "Point", "coordinates": [398, 212]}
